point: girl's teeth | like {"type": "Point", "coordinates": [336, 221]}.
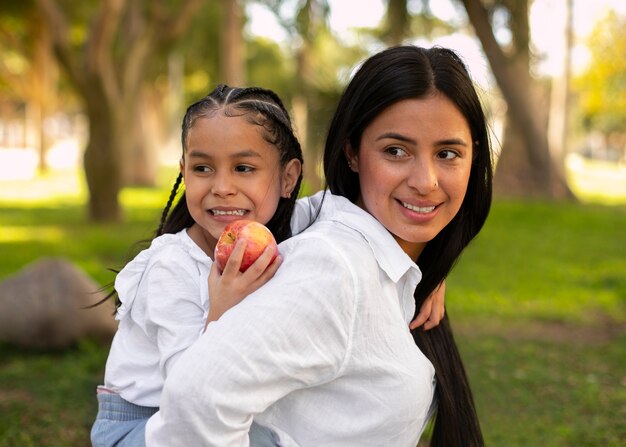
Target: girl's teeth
{"type": "Point", "coordinates": [418, 209]}
{"type": "Point", "coordinates": [228, 213]}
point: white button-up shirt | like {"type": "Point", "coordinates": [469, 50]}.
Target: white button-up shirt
{"type": "Point", "coordinates": [165, 302]}
{"type": "Point", "coordinates": [321, 354]}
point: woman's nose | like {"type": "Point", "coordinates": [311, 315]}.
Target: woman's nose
{"type": "Point", "coordinates": [423, 176]}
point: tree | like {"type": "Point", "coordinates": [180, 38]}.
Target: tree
{"type": "Point", "coordinates": [525, 167]}
{"type": "Point", "coordinates": [397, 22]}
{"type": "Point", "coordinates": [601, 87]}
{"type": "Point", "coordinates": [107, 69]}
{"type": "Point", "coordinates": [304, 28]}
{"type": "Point", "coordinates": [232, 64]}
{"type": "Point", "coordinates": [33, 78]}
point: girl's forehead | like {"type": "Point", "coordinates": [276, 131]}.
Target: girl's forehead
{"type": "Point", "coordinates": [223, 135]}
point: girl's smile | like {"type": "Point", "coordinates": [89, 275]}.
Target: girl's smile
{"type": "Point", "coordinates": [231, 172]}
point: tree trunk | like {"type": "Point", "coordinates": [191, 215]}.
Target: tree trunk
{"type": "Point", "coordinates": [560, 96]}
{"type": "Point", "coordinates": [232, 64]}
{"type": "Point", "coordinates": [396, 22]}
{"type": "Point", "coordinates": [537, 176]}
{"type": "Point", "coordinates": [43, 86]}
{"type": "Point", "coordinates": [102, 160]}
{"type": "Point", "coordinates": [108, 78]}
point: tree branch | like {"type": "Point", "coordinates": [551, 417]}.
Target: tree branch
{"type": "Point", "coordinates": [100, 47]}
{"type": "Point", "coordinates": [177, 25]}
{"type": "Point", "coordinates": [57, 23]}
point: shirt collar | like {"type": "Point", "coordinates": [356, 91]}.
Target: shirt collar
{"type": "Point", "coordinates": [389, 255]}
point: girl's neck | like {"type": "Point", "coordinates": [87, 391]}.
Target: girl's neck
{"type": "Point", "coordinates": [202, 240]}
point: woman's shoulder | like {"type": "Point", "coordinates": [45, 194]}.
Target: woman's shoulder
{"type": "Point", "coordinates": [329, 243]}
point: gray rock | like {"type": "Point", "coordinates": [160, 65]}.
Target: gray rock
{"type": "Point", "coordinates": [43, 306]}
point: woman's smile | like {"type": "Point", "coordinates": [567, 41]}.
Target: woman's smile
{"type": "Point", "coordinates": [414, 163]}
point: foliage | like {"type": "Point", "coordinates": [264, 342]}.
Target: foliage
{"type": "Point", "coordinates": [602, 86]}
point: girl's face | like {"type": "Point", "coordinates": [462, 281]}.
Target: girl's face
{"type": "Point", "coordinates": [414, 165]}
{"type": "Point", "coordinates": [231, 172]}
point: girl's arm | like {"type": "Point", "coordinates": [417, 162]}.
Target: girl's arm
{"type": "Point", "coordinates": [172, 307]}
{"type": "Point", "coordinates": [432, 310]}
{"type": "Point", "coordinates": [230, 287]}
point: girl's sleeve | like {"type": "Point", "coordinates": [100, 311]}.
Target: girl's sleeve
{"type": "Point", "coordinates": [173, 307]}
{"type": "Point", "coordinates": [293, 333]}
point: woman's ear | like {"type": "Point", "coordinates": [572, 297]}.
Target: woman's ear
{"type": "Point", "coordinates": [351, 157]}
{"type": "Point", "coordinates": [290, 175]}
{"type": "Point", "coordinates": [181, 166]}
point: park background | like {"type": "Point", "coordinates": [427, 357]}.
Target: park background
{"type": "Point", "coordinates": [91, 98]}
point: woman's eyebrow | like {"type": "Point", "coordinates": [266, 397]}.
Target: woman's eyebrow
{"type": "Point", "coordinates": [396, 136]}
{"type": "Point", "coordinates": [452, 142]}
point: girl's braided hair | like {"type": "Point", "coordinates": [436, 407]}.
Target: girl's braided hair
{"type": "Point", "coordinates": [262, 107]}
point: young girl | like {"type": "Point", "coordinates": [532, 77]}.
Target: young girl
{"type": "Point", "coordinates": [241, 160]}
{"type": "Point", "coordinates": [322, 354]}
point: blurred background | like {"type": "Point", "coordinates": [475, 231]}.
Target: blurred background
{"type": "Point", "coordinates": [92, 95]}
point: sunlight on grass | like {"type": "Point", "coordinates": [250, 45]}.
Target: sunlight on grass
{"type": "Point", "coordinates": [55, 187]}
{"type": "Point", "coordinates": [24, 234]}
{"type": "Point", "coordinates": [595, 181]}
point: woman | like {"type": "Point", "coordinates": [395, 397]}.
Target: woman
{"type": "Point", "coordinates": [322, 354]}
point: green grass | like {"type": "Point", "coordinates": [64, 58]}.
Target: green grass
{"type": "Point", "coordinates": [546, 261]}
{"type": "Point", "coordinates": [538, 303]}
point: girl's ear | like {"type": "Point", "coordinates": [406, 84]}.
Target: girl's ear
{"type": "Point", "coordinates": [181, 166]}
{"type": "Point", "coordinates": [290, 175]}
{"type": "Point", "coordinates": [351, 157]}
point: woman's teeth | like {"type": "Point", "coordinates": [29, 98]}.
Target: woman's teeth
{"type": "Point", "coordinates": [418, 209]}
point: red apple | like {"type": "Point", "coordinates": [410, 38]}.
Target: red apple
{"type": "Point", "coordinates": [258, 237]}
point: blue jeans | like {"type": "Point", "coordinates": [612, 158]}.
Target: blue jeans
{"type": "Point", "coordinates": [120, 423]}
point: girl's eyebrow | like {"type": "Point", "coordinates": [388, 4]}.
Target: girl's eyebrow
{"type": "Point", "coordinates": [241, 154]}
{"type": "Point", "coordinates": [445, 142]}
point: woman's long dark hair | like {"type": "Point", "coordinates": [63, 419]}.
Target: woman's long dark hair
{"type": "Point", "coordinates": [262, 107]}
{"type": "Point", "coordinates": [409, 72]}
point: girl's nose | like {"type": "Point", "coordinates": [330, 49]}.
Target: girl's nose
{"type": "Point", "coordinates": [223, 184]}
{"type": "Point", "coordinates": [423, 177]}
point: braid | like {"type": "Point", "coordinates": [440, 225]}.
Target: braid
{"type": "Point", "coordinates": [166, 210]}
{"type": "Point", "coordinates": [263, 108]}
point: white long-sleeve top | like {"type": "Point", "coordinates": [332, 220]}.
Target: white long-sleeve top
{"type": "Point", "coordinates": [164, 295]}
{"type": "Point", "coordinates": [165, 303]}
{"type": "Point", "coordinates": [321, 354]}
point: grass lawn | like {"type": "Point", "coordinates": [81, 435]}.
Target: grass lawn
{"type": "Point", "coordinates": [538, 303]}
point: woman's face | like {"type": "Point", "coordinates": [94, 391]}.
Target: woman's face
{"type": "Point", "coordinates": [414, 165]}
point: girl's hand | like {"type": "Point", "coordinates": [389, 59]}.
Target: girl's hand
{"type": "Point", "coordinates": [432, 310]}
{"type": "Point", "coordinates": [231, 286]}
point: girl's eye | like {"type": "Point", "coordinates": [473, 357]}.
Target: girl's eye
{"type": "Point", "coordinates": [201, 169]}
{"type": "Point", "coordinates": [395, 151]}
{"type": "Point", "coordinates": [447, 154]}
{"type": "Point", "coordinates": [244, 168]}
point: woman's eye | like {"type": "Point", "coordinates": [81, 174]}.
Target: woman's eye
{"type": "Point", "coordinates": [447, 154]}
{"type": "Point", "coordinates": [396, 151]}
